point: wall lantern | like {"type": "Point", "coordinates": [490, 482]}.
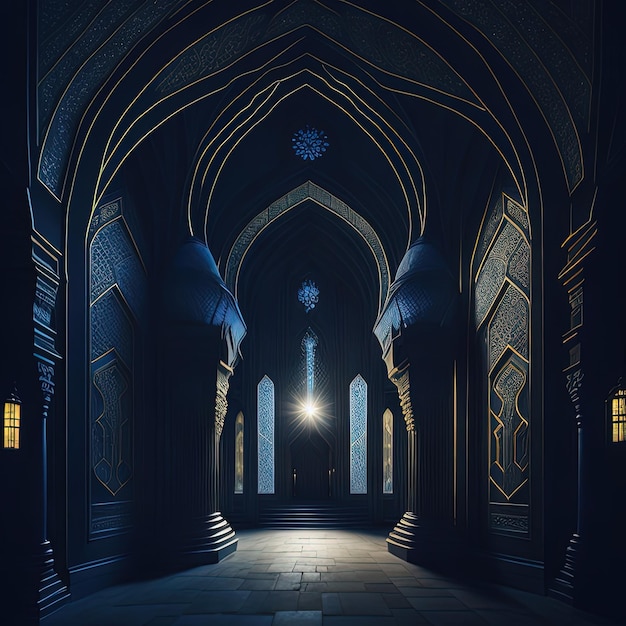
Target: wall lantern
{"type": "Point", "coordinates": [616, 405]}
{"type": "Point", "coordinates": [12, 415]}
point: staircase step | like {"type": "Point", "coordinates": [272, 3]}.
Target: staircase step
{"type": "Point", "coordinates": [323, 515]}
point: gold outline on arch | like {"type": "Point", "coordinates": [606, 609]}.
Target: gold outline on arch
{"type": "Point", "coordinates": [414, 198]}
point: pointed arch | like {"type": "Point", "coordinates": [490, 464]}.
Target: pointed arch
{"type": "Point", "coordinates": [279, 208]}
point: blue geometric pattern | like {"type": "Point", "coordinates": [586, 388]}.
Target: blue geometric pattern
{"type": "Point", "coordinates": [309, 143]}
{"type": "Point", "coordinates": [114, 260]}
{"type": "Point", "coordinates": [111, 328]}
{"type": "Point", "coordinates": [358, 435]}
{"type": "Point", "coordinates": [310, 343]}
{"type": "Point", "coordinates": [308, 294]}
{"type": "Point", "coordinates": [265, 414]}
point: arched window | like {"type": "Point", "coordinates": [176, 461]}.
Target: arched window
{"type": "Point", "coordinates": [265, 417]}
{"type": "Point", "coordinates": [309, 345]}
{"type": "Point", "coordinates": [358, 435]}
{"type": "Point", "coordinates": [387, 451]}
{"type": "Point", "coordinates": [239, 453]}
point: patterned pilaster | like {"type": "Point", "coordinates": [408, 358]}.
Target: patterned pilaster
{"type": "Point", "coordinates": [51, 591]}
{"type": "Point", "coordinates": [572, 278]}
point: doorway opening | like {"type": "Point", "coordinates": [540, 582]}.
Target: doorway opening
{"type": "Point", "coordinates": [311, 468]}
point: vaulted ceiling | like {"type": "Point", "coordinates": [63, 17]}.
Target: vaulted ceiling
{"type": "Point", "coordinates": [192, 106]}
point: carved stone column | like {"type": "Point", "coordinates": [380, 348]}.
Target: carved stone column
{"type": "Point", "coordinates": [202, 329]}
{"type": "Point", "coordinates": [415, 333]}
{"type": "Point", "coordinates": [52, 592]}
{"type": "Point", "coordinates": [402, 540]}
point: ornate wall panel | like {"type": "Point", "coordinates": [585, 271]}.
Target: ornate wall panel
{"type": "Point", "coordinates": [502, 319]}
{"type": "Point", "coordinates": [117, 292]}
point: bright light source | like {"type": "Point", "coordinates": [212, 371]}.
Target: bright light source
{"type": "Point", "coordinates": [310, 409]}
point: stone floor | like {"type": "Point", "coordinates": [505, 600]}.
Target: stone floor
{"type": "Point", "coordinates": [313, 578]}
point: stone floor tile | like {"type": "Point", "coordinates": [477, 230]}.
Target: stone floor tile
{"type": "Point", "coordinates": [331, 604]}
{"type": "Point", "coordinates": [407, 617]}
{"type": "Point", "coordinates": [396, 601]}
{"type": "Point", "coordinates": [254, 602]}
{"type": "Point", "coordinates": [358, 620]}
{"type": "Point", "coordinates": [212, 584]}
{"type": "Point", "coordinates": [442, 618]}
{"type": "Point", "coordinates": [443, 583]}
{"type": "Point", "coordinates": [222, 601]}
{"type": "Point", "coordinates": [297, 618]}
{"type": "Point", "coordinates": [262, 575]}
{"type": "Point", "coordinates": [311, 577]}
{"type": "Point", "coordinates": [318, 587]}
{"type": "Point", "coordinates": [283, 567]}
{"type": "Point", "coordinates": [363, 604]}
{"type": "Point", "coordinates": [437, 604]}
{"type": "Point", "coordinates": [404, 581]}
{"type": "Point", "coordinates": [394, 569]}
{"type": "Point", "coordinates": [280, 601]}
{"type": "Point", "coordinates": [314, 561]}
{"type": "Point", "coordinates": [344, 586]}
{"type": "Point", "coordinates": [225, 620]}
{"type": "Point", "coordinates": [309, 601]}
{"type": "Point", "coordinates": [420, 592]}
{"type": "Point", "coordinates": [258, 584]}
{"type": "Point", "coordinates": [349, 567]}
{"type": "Point", "coordinates": [381, 587]}
{"type": "Point", "coordinates": [163, 596]}
{"type": "Point", "coordinates": [127, 615]}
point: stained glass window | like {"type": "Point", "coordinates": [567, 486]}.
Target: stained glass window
{"type": "Point", "coordinates": [387, 451]}
{"type": "Point", "coordinates": [239, 453]}
{"type": "Point", "coordinates": [308, 294]}
{"type": "Point", "coordinates": [358, 435]}
{"type": "Point", "coordinates": [309, 344]}
{"type": "Point", "coordinates": [309, 143]}
{"type": "Point", "coordinates": [265, 412]}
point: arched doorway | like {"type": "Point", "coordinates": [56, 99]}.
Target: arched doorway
{"type": "Point", "coordinates": [311, 461]}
